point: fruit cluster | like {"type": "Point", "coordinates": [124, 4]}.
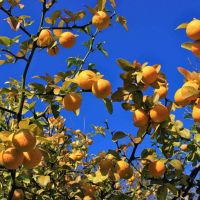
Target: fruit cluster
{"type": "Point", "coordinates": [87, 80]}
{"type": "Point", "coordinates": [23, 151]}
{"type": "Point", "coordinates": [189, 93]}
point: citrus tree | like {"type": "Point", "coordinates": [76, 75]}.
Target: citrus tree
{"type": "Point", "coordinates": [42, 158]}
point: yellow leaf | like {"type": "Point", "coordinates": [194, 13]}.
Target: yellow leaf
{"type": "Point", "coordinates": [58, 32]}
{"type": "Point", "coordinates": [2, 62]}
{"type": "Point", "coordinates": [187, 45]}
{"type": "Point", "coordinates": [101, 4]}
{"type": "Point", "coordinates": [184, 72]}
{"type": "Point", "coordinates": [113, 4]}
{"type": "Point", "coordinates": [181, 26]}
{"type": "Point", "coordinates": [43, 180]}
{"type": "Point", "coordinates": [92, 10]}
{"type": "Point", "coordinates": [122, 21]}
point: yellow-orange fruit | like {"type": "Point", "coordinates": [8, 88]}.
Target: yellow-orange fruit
{"type": "Point", "coordinates": [45, 38]}
{"type": "Point", "coordinates": [53, 51]}
{"type": "Point", "coordinates": [179, 99]}
{"type": "Point", "coordinates": [76, 156]}
{"type": "Point", "coordinates": [12, 158]}
{"type": "Point", "coordinates": [72, 101]}
{"type": "Point", "coordinates": [184, 147]}
{"type": "Point", "coordinates": [24, 140]}
{"type": "Point", "coordinates": [67, 40]}
{"type": "Point", "coordinates": [101, 20]}
{"type": "Point", "coordinates": [18, 194]}
{"type": "Point", "coordinates": [124, 169]}
{"type": "Point", "coordinates": [140, 118]}
{"type": "Point", "coordinates": [1, 158]}
{"type": "Point", "coordinates": [193, 29]}
{"type": "Point", "coordinates": [195, 48]}
{"type": "Point", "coordinates": [105, 165]}
{"type": "Point", "coordinates": [89, 141]}
{"type": "Point", "coordinates": [162, 91]}
{"type": "Point", "coordinates": [88, 189]}
{"type": "Point", "coordinates": [117, 186]}
{"type": "Point", "coordinates": [149, 75]}
{"type": "Point", "coordinates": [157, 168]}
{"type": "Point", "coordinates": [87, 197]}
{"type": "Point", "coordinates": [196, 112]}
{"type": "Point", "coordinates": [159, 113]}
{"type": "Point", "coordinates": [192, 84]}
{"type": "Point", "coordinates": [86, 79]}
{"type": "Point", "coordinates": [101, 88]}
{"type": "Point", "coordinates": [32, 158]}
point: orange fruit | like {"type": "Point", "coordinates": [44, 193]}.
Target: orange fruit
{"type": "Point", "coordinates": [23, 140]}
{"type": "Point", "coordinates": [196, 112]}
{"type": "Point", "coordinates": [195, 48]}
{"type": "Point", "coordinates": [159, 113]}
{"type": "Point", "coordinates": [193, 29]}
{"type": "Point", "coordinates": [140, 118]}
{"type": "Point", "coordinates": [72, 101]}
{"type": "Point", "coordinates": [179, 98]}
{"type": "Point", "coordinates": [53, 51]}
{"type": "Point", "coordinates": [18, 194]}
{"type": "Point", "coordinates": [32, 158]}
{"type": "Point", "coordinates": [105, 165]}
{"type": "Point", "coordinates": [76, 156]}
{"type": "Point", "coordinates": [162, 91]}
{"type": "Point", "coordinates": [149, 75]}
{"type": "Point", "coordinates": [1, 158]}
{"type": "Point", "coordinates": [192, 84]}
{"type": "Point", "coordinates": [45, 38]}
{"type": "Point", "coordinates": [86, 79]}
{"type": "Point", "coordinates": [12, 158]}
{"type": "Point", "coordinates": [87, 197]}
{"type": "Point", "coordinates": [184, 147]}
{"type": "Point", "coordinates": [124, 169]}
{"type": "Point", "coordinates": [101, 88]}
{"type": "Point", "coordinates": [101, 20]}
{"type": "Point", "coordinates": [67, 40]}
{"type": "Point", "coordinates": [157, 168]}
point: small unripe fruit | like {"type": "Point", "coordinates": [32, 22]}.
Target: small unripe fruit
{"type": "Point", "coordinates": [184, 147]}
{"type": "Point", "coordinates": [101, 20]}
{"type": "Point", "coordinates": [101, 88]}
{"type": "Point", "coordinates": [53, 51]}
{"type": "Point", "coordinates": [67, 40]}
{"type": "Point", "coordinates": [24, 140]}
{"type": "Point", "coordinates": [72, 101]}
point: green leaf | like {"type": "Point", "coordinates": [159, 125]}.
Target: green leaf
{"type": "Point", "coordinates": [177, 164]}
{"type": "Point", "coordinates": [162, 193]}
{"type": "Point", "coordinates": [43, 180]}
{"type": "Point", "coordinates": [108, 105]}
{"type": "Point", "coordinates": [118, 135]}
{"type": "Point", "coordinates": [125, 65]}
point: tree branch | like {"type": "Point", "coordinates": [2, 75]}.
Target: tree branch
{"type": "Point", "coordinates": [7, 110]}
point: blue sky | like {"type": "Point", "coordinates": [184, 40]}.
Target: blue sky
{"type": "Point", "coordinates": [151, 37]}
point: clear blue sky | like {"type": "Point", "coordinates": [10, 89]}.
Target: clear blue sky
{"type": "Point", "coordinates": [151, 37]}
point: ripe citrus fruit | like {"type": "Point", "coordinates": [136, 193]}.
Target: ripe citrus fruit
{"type": "Point", "coordinates": [162, 91]}
{"type": "Point", "coordinates": [53, 51]}
{"type": "Point", "coordinates": [157, 168]}
{"type": "Point", "coordinates": [124, 169]}
{"type": "Point", "coordinates": [67, 40]}
{"type": "Point", "coordinates": [140, 118]}
{"type": "Point", "coordinates": [12, 158]}
{"type": "Point", "coordinates": [32, 158]}
{"type": "Point", "coordinates": [184, 147]}
{"type": "Point", "coordinates": [101, 20]}
{"type": "Point", "coordinates": [23, 140]}
{"type": "Point", "coordinates": [196, 112]}
{"type": "Point", "coordinates": [193, 29]}
{"type": "Point", "coordinates": [45, 38]}
{"type": "Point", "coordinates": [179, 98]}
{"type": "Point", "coordinates": [18, 194]}
{"type": "Point", "coordinates": [159, 113]}
{"type": "Point", "coordinates": [86, 79]}
{"type": "Point", "coordinates": [101, 88]}
{"type": "Point", "coordinates": [149, 75]}
{"type": "Point", "coordinates": [72, 101]}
